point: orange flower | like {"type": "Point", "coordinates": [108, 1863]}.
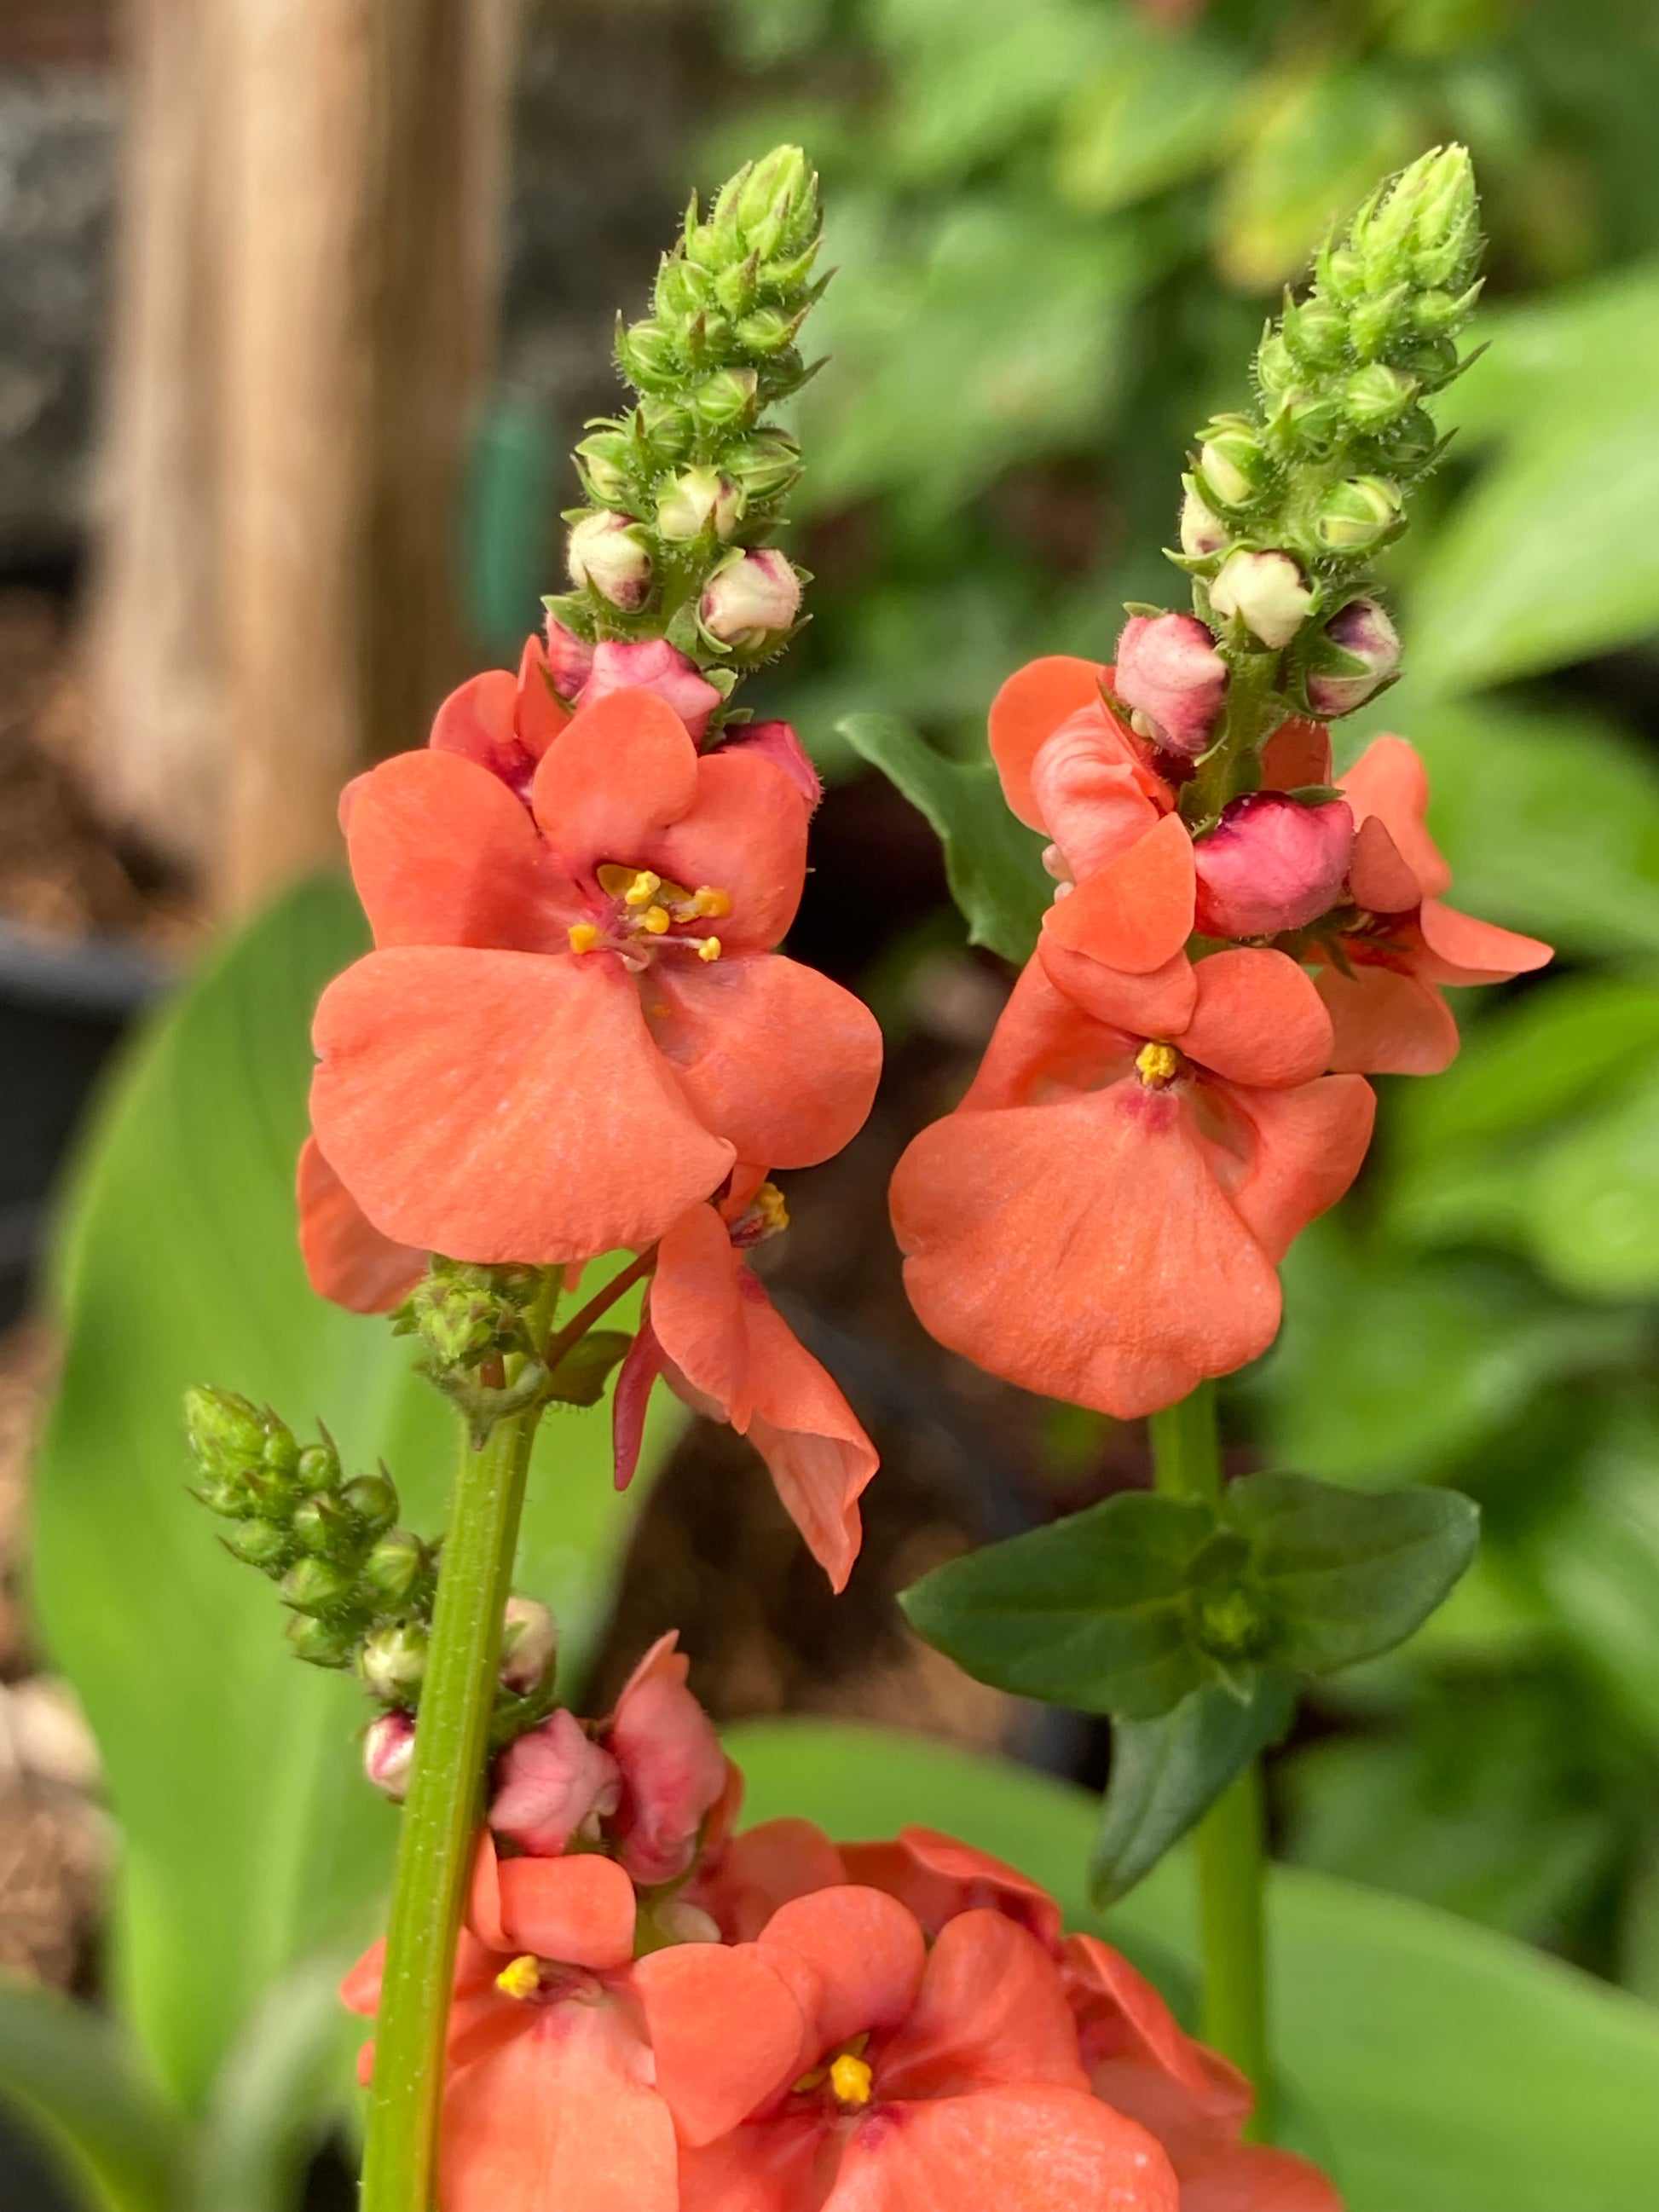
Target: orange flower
{"type": "Point", "coordinates": [574, 1024]}
{"type": "Point", "coordinates": [1101, 1218]}
{"type": "Point", "coordinates": [712, 1332]}
{"type": "Point", "coordinates": [1386, 1010]}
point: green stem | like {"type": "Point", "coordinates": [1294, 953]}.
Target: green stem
{"type": "Point", "coordinates": [1231, 1840]}
{"type": "Point", "coordinates": [435, 1847]}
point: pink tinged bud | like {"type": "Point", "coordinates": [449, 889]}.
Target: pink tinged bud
{"type": "Point", "coordinates": [653, 665]}
{"type": "Point", "coordinates": [694, 500]}
{"type": "Point", "coordinates": [553, 1786]}
{"type": "Point", "coordinates": [672, 1766]}
{"type": "Point", "coordinates": [389, 1754]}
{"type": "Point", "coordinates": [753, 600]}
{"type": "Point", "coordinates": [569, 660]}
{"type": "Point", "coordinates": [604, 552]}
{"type": "Point", "coordinates": [1169, 670]}
{"type": "Point", "coordinates": [777, 742]}
{"type": "Point", "coordinates": [1270, 864]}
{"type": "Point", "coordinates": [1357, 655]}
{"type": "Point", "coordinates": [1202, 531]}
{"type": "Point", "coordinates": [1267, 593]}
{"type": "Point", "coordinates": [530, 1644]}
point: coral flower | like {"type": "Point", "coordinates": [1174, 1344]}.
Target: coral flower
{"type": "Point", "coordinates": [1386, 1009]}
{"type": "Point", "coordinates": [1101, 1218]}
{"type": "Point", "coordinates": [1071, 769]}
{"type": "Point", "coordinates": [574, 1024]}
{"type": "Point", "coordinates": [712, 1332]}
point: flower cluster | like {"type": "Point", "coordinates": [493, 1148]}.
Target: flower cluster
{"type": "Point", "coordinates": [651, 2010]}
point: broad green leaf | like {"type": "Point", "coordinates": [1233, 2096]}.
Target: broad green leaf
{"type": "Point", "coordinates": [72, 2075]}
{"type": "Point", "coordinates": [1592, 1201]}
{"type": "Point", "coordinates": [1159, 111]}
{"type": "Point", "coordinates": [1091, 1611]}
{"type": "Point", "coordinates": [277, 2094]}
{"type": "Point", "coordinates": [249, 1839]}
{"type": "Point", "coordinates": [1166, 1774]}
{"type": "Point", "coordinates": [990, 859]}
{"type": "Point", "coordinates": [1347, 1574]}
{"type": "Point", "coordinates": [1451, 2069]}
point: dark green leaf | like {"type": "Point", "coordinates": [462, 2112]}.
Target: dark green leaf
{"type": "Point", "coordinates": [70, 2074]}
{"type": "Point", "coordinates": [1167, 1773]}
{"type": "Point", "coordinates": [580, 1377]}
{"type": "Point", "coordinates": [1347, 1574]}
{"type": "Point", "coordinates": [990, 857]}
{"type": "Point", "coordinates": [1089, 1612]}
{"type": "Point", "coordinates": [1591, 1201]}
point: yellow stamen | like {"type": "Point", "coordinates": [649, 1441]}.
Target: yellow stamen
{"type": "Point", "coordinates": [768, 1202]}
{"type": "Point", "coordinates": [655, 918]}
{"type": "Point", "coordinates": [584, 936]}
{"type": "Point", "coordinates": [522, 1979]}
{"type": "Point", "coordinates": [643, 889]}
{"type": "Point", "coordinates": [849, 2078]}
{"type": "Point", "coordinates": [1157, 1063]}
{"type": "Point", "coordinates": [709, 948]}
{"type": "Point", "coordinates": [708, 900]}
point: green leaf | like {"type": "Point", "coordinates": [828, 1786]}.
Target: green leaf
{"type": "Point", "coordinates": [1592, 1201]}
{"type": "Point", "coordinates": [990, 859]}
{"type": "Point", "coordinates": [1598, 1560]}
{"type": "Point", "coordinates": [1166, 1774]}
{"type": "Point", "coordinates": [1160, 111]}
{"type": "Point", "coordinates": [1347, 1574]}
{"type": "Point", "coordinates": [1451, 2069]}
{"type": "Point", "coordinates": [1091, 1611]}
{"type": "Point", "coordinates": [71, 2074]}
{"type": "Point", "coordinates": [277, 2094]}
{"type": "Point", "coordinates": [250, 1839]}
{"type": "Point", "coordinates": [969, 79]}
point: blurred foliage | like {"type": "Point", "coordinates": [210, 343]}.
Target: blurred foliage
{"type": "Point", "coordinates": [1059, 227]}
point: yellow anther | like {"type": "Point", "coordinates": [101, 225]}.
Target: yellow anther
{"type": "Point", "coordinates": [643, 889]}
{"type": "Point", "coordinates": [849, 2078]}
{"type": "Point", "coordinates": [522, 1979]}
{"type": "Point", "coordinates": [768, 1202]}
{"type": "Point", "coordinates": [584, 936]}
{"type": "Point", "coordinates": [709, 948]}
{"type": "Point", "coordinates": [1157, 1063]}
{"type": "Point", "coordinates": [654, 920]}
{"type": "Point", "coordinates": [711, 903]}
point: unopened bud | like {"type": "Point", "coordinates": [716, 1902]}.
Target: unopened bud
{"type": "Point", "coordinates": [233, 1439]}
{"type": "Point", "coordinates": [752, 601]}
{"type": "Point", "coordinates": [773, 206]}
{"type": "Point", "coordinates": [1265, 592]}
{"type": "Point", "coordinates": [323, 1524]}
{"type": "Point", "coordinates": [1378, 395]}
{"type": "Point", "coordinates": [698, 500]}
{"type": "Point", "coordinates": [265, 1544]}
{"type": "Point", "coordinates": [765, 466]}
{"type": "Point", "coordinates": [569, 660]}
{"type": "Point", "coordinates": [669, 428]}
{"type": "Point", "coordinates": [1168, 669]}
{"type": "Point", "coordinates": [554, 1784]}
{"type": "Point", "coordinates": [395, 1568]}
{"type": "Point", "coordinates": [372, 1499]}
{"type": "Point", "coordinates": [322, 1642]}
{"type": "Point", "coordinates": [725, 399]}
{"type": "Point", "coordinates": [606, 461]}
{"type": "Point", "coordinates": [604, 554]}
{"type": "Point", "coordinates": [1276, 366]}
{"type": "Point", "coordinates": [393, 1661]}
{"type": "Point", "coordinates": [768, 331]}
{"type": "Point", "coordinates": [1271, 864]}
{"type": "Point", "coordinates": [1316, 332]}
{"type": "Point", "coordinates": [1356, 653]}
{"type": "Point", "coordinates": [1231, 461]}
{"type": "Point", "coordinates": [1359, 515]}
{"type": "Point", "coordinates": [648, 355]}
{"type": "Point", "coordinates": [389, 1754]}
{"type": "Point", "coordinates": [1413, 439]}
{"type": "Point", "coordinates": [1202, 531]}
{"type": "Point", "coordinates": [650, 663]}
{"type": "Point", "coordinates": [778, 743]}
{"type": "Point", "coordinates": [682, 289]}
{"type": "Point", "coordinates": [530, 1644]}
{"type": "Point", "coordinates": [316, 1585]}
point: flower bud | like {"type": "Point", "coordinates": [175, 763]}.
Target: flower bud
{"type": "Point", "coordinates": [395, 1568]}
{"type": "Point", "coordinates": [653, 665]}
{"type": "Point", "coordinates": [682, 289]}
{"type": "Point", "coordinates": [764, 466]}
{"type": "Point", "coordinates": [777, 742]}
{"type": "Point", "coordinates": [1168, 669]}
{"type": "Point", "coordinates": [694, 502]}
{"type": "Point", "coordinates": [604, 554]}
{"type": "Point", "coordinates": [373, 1498]}
{"type": "Point", "coordinates": [530, 1643]}
{"type": "Point", "coordinates": [1202, 533]}
{"type": "Point", "coordinates": [1231, 461]}
{"type": "Point", "coordinates": [606, 461]}
{"type": "Point", "coordinates": [669, 428]}
{"type": "Point", "coordinates": [393, 1661]}
{"type": "Point", "coordinates": [772, 208]}
{"type": "Point", "coordinates": [1316, 332]}
{"type": "Point", "coordinates": [1356, 653]}
{"type": "Point", "coordinates": [316, 1585]}
{"type": "Point", "coordinates": [647, 355]}
{"type": "Point", "coordinates": [389, 1754]}
{"type": "Point", "coordinates": [1265, 592]}
{"type": "Point", "coordinates": [1378, 395]}
{"type": "Point", "coordinates": [1359, 515]}
{"type": "Point", "coordinates": [322, 1642]}
{"type": "Point", "coordinates": [768, 331]}
{"type": "Point", "coordinates": [1276, 366]}
{"type": "Point", "coordinates": [1413, 439]}
{"type": "Point", "coordinates": [673, 1767]}
{"type": "Point", "coordinates": [752, 601]}
{"type": "Point", "coordinates": [720, 401]}
{"type": "Point", "coordinates": [1271, 865]}
{"type": "Point", "coordinates": [552, 1786]}
{"type": "Point", "coordinates": [241, 1448]}
{"type": "Point", "coordinates": [569, 660]}
{"type": "Point", "coordinates": [323, 1524]}
{"type": "Point", "coordinates": [265, 1543]}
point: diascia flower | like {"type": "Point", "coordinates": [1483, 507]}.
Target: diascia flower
{"type": "Point", "coordinates": [573, 1025]}
{"type": "Point", "coordinates": [711, 1331]}
{"type": "Point", "coordinates": [1101, 1218]}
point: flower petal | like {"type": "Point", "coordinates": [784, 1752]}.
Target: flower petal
{"type": "Point", "coordinates": [1032, 2147]}
{"type": "Point", "coordinates": [502, 1106]}
{"type": "Point", "coordinates": [1083, 1250]}
{"type": "Point", "coordinates": [698, 1313]}
{"type": "Point", "coordinates": [1389, 779]}
{"type": "Point", "coordinates": [1310, 1143]}
{"type": "Point", "coordinates": [476, 723]}
{"type": "Point", "coordinates": [1120, 2016]}
{"type": "Point", "coordinates": [1297, 754]}
{"type": "Point", "coordinates": [1387, 1021]}
{"type": "Point", "coordinates": [346, 1257]}
{"type": "Point", "coordinates": [763, 1869]}
{"type": "Point", "coordinates": [642, 1365]}
{"type": "Point", "coordinates": [1027, 711]}
{"type": "Point", "coordinates": [674, 1772]}
{"type": "Point", "coordinates": [781, 2165]}
{"type": "Point", "coordinates": [1255, 2178]}
{"type": "Point", "coordinates": [577, 1911]}
{"type": "Point", "coordinates": [1461, 949]}
{"type": "Point", "coordinates": [1257, 1019]}
{"type": "Point", "coordinates": [1136, 914]}
{"type": "Point", "coordinates": [745, 834]}
{"type": "Point", "coordinates": [773, 1057]}
{"type": "Point", "coordinates": [1046, 1045]}
{"type": "Point", "coordinates": [1095, 796]}
{"type": "Point", "coordinates": [938, 1877]}
{"type": "Point", "coordinates": [1158, 1003]}
{"type": "Point", "coordinates": [820, 1460]}
{"type": "Point", "coordinates": [990, 2009]}
{"type": "Point", "coordinates": [727, 2030]}
{"type": "Point", "coordinates": [538, 712]}
{"type": "Point", "coordinates": [1378, 878]}
{"type": "Point", "coordinates": [443, 853]}
{"type": "Point", "coordinates": [865, 1949]}
{"type": "Point", "coordinates": [617, 778]}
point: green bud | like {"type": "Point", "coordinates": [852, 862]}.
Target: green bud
{"type": "Point", "coordinates": [316, 1585]}
{"type": "Point", "coordinates": [605, 461]}
{"type": "Point", "coordinates": [395, 1569]}
{"type": "Point", "coordinates": [226, 1431]}
{"type": "Point", "coordinates": [697, 500]}
{"type": "Point", "coordinates": [725, 399]}
{"type": "Point", "coordinates": [764, 466]}
{"type": "Point", "coordinates": [323, 1525]}
{"type": "Point", "coordinates": [1359, 515]}
{"type": "Point", "coordinates": [1378, 395]}
{"type": "Point", "coordinates": [648, 356]}
{"type": "Point", "coordinates": [1316, 332]}
{"type": "Point", "coordinates": [322, 1642]}
{"type": "Point", "coordinates": [372, 1499]}
{"type": "Point", "coordinates": [773, 207]}
{"type": "Point", "coordinates": [1440, 314]}
{"type": "Point", "coordinates": [265, 1543]}
{"type": "Point", "coordinates": [1230, 1624]}
{"type": "Point", "coordinates": [1374, 324]}
{"type": "Point", "coordinates": [1432, 361]}
{"type": "Point", "coordinates": [393, 1661]}
{"type": "Point", "coordinates": [682, 289]}
{"type": "Point", "coordinates": [318, 1465]}
{"type": "Point", "coordinates": [1231, 461]}
{"type": "Point", "coordinates": [1276, 366]}
{"type": "Point", "coordinates": [668, 428]}
{"type": "Point", "coordinates": [768, 331]}
{"type": "Point", "coordinates": [1308, 421]}
{"type": "Point", "coordinates": [1411, 440]}
{"type": "Point", "coordinates": [737, 288]}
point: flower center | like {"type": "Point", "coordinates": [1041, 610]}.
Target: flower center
{"type": "Point", "coordinates": [522, 1979]}
{"type": "Point", "coordinates": [850, 2079]}
{"type": "Point", "coordinates": [1157, 1065]}
{"type": "Point", "coordinates": [765, 1215]}
{"type": "Point", "coordinates": [643, 910]}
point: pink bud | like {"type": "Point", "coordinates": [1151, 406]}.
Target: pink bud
{"type": "Point", "coordinates": [1366, 656]}
{"type": "Point", "coordinates": [389, 1753]}
{"type": "Point", "coordinates": [674, 1769]}
{"type": "Point", "coordinates": [602, 552]}
{"type": "Point", "coordinates": [753, 600]}
{"type": "Point", "coordinates": [653, 665]}
{"type": "Point", "coordinates": [1168, 668]}
{"type": "Point", "coordinates": [552, 1785]}
{"type": "Point", "coordinates": [1270, 864]}
{"type": "Point", "coordinates": [530, 1644]}
{"type": "Point", "coordinates": [569, 660]}
{"type": "Point", "coordinates": [777, 742]}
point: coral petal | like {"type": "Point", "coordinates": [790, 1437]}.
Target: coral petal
{"type": "Point", "coordinates": [781, 2165]}
{"type": "Point", "coordinates": [640, 1367]}
{"type": "Point", "coordinates": [938, 1877]}
{"type": "Point", "coordinates": [866, 1950]}
{"type": "Point", "coordinates": [1378, 878]}
{"type": "Point", "coordinates": [1158, 1003]}
{"type": "Point", "coordinates": [698, 1313]}
{"type": "Point", "coordinates": [1033, 2146]}
{"type": "Point", "coordinates": [476, 723]}
{"type": "Point", "coordinates": [1385, 1021]}
{"type": "Point", "coordinates": [1045, 1043]}
{"type": "Point", "coordinates": [728, 2031]}
{"type": "Point", "coordinates": [1389, 779]}
{"type": "Point", "coordinates": [577, 1910]}
{"type": "Point", "coordinates": [1310, 1143]}
{"type": "Point", "coordinates": [1258, 1019]}
{"type": "Point", "coordinates": [819, 1458]}
{"type": "Point", "coordinates": [538, 714]}
{"type": "Point", "coordinates": [1464, 950]}
{"type": "Point", "coordinates": [764, 1868]}
{"type": "Point", "coordinates": [1297, 754]}
{"type": "Point", "coordinates": [1027, 711]}
{"type": "Point", "coordinates": [1096, 797]}
{"type": "Point", "coordinates": [1137, 913]}
{"type": "Point", "coordinates": [346, 1257]}
{"type": "Point", "coordinates": [991, 2011]}
{"type": "Point", "coordinates": [617, 778]}
{"type": "Point", "coordinates": [745, 833]}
